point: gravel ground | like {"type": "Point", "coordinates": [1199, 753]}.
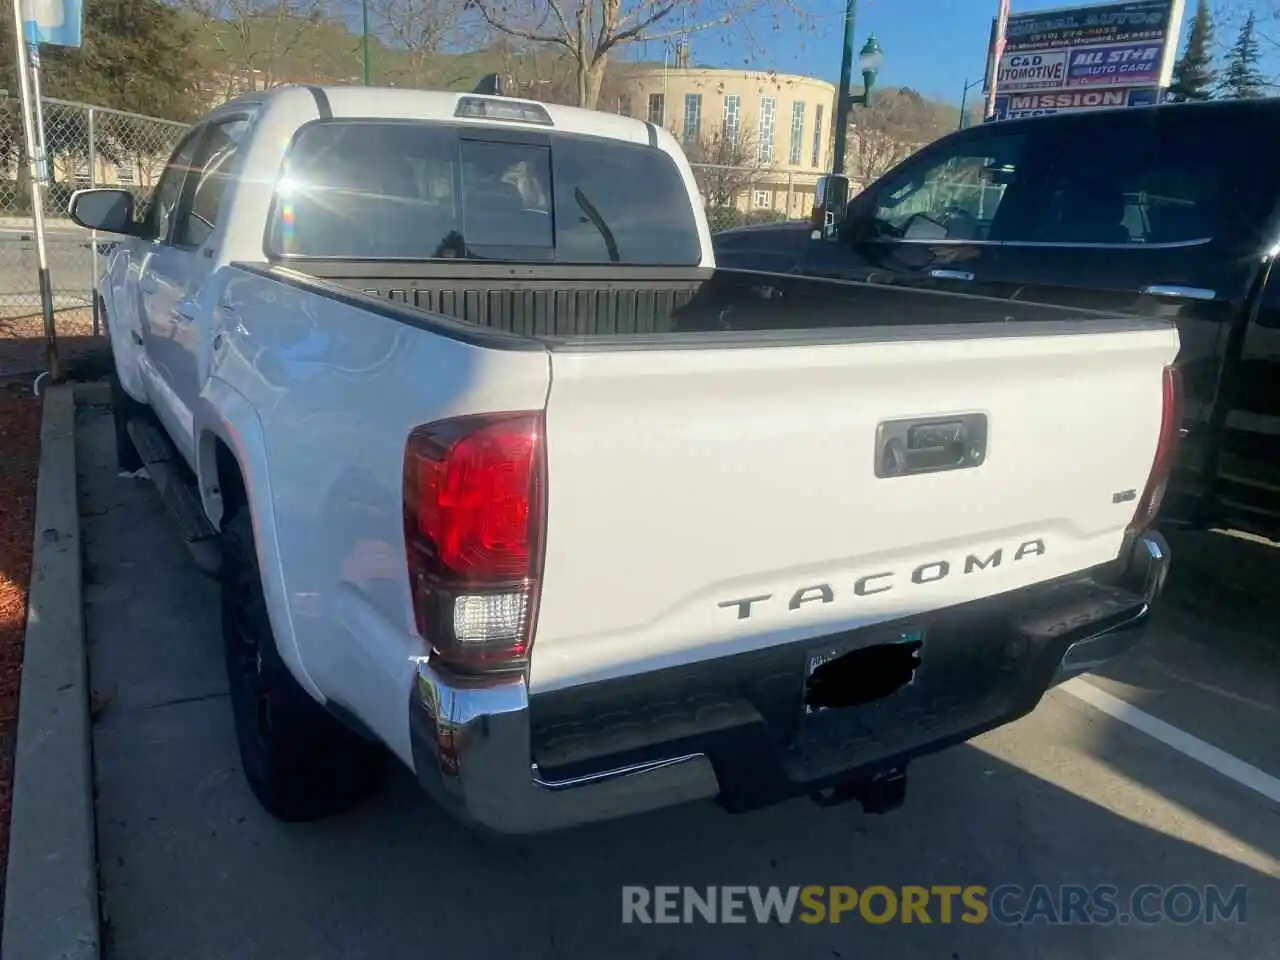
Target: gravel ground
{"type": "Point", "coordinates": [19, 458]}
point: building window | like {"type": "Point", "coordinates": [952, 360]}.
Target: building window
{"type": "Point", "coordinates": [624, 104]}
{"type": "Point", "coordinates": [732, 118]}
{"type": "Point", "coordinates": [125, 172]}
{"type": "Point", "coordinates": [817, 136]}
{"type": "Point", "coordinates": [766, 129]}
{"type": "Point", "coordinates": [657, 108]}
{"type": "Point", "coordinates": [761, 200]}
{"type": "Point", "coordinates": [797, 134]}
{"type": "Point", "coordinates": [692, 116]}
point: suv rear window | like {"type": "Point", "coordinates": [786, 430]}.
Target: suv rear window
{"type": "Point", "coordinates": [388, 190]}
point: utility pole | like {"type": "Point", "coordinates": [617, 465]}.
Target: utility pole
{"type": "Point", "coordinates": [997, 51]}
{"type": "Point", "coordinates": [364, 16]}
{"type": "Point", "coordinates": [843, 100]}
{"type": "Point", "coordinates": [28, 64]}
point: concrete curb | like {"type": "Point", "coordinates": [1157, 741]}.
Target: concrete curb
{"type": "Point", "coordinates": [51, 895]}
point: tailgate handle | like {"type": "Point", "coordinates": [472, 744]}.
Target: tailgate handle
{"type": "Point", "coordinates": [930, 444]}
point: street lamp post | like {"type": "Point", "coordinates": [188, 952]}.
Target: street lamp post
{"type": "Point", "coordinates": [964, 100]}
{"type": "Point", "coordinates": [869, 59]}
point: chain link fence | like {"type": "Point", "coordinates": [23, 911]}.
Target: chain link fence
{"type": "Point", "coordinates": [86, 146]}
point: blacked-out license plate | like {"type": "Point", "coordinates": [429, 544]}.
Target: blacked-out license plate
{"type": "Point", "coordinates": [824, 655]}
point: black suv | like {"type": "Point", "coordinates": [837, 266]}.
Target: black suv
{"type": "Point", "coordinates": [1168, 210]}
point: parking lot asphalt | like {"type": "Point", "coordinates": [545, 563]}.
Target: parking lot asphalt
{"type": "Point", "coordinates": [192, 868]}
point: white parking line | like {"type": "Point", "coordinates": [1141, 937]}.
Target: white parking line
{"type": "Point", "coordinates": [1224, 763]}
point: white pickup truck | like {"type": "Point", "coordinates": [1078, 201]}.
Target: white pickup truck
{"type": "Point", "coordinates": [502, 477]}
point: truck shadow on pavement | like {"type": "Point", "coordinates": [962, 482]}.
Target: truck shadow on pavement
{"type": "Point", "coordinates": [192, 868]}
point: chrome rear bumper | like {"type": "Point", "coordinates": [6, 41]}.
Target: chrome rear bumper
{"type": "Point", "coordinates": [1145, 575]}
{"type": "Point", "coordinates": [473, 745]}
{"type": "Point", "coordinates": [472, 753]}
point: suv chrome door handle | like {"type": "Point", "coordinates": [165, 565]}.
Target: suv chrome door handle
{"type": "Point", "coordinates": [939, 274]}
{"type": "Point", "coordinates": [1179, 292]}
{"type": "Point", "coordinates": [185, 311]}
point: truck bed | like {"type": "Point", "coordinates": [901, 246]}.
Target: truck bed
{"type": "Point", "coordinates": [607, 301]}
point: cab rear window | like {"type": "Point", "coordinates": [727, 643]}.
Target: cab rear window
{"type": "Point", "coordinates": [388, 190]}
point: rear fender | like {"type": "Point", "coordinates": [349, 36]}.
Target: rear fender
{"type": "Point", "coordinates": [224, 414]}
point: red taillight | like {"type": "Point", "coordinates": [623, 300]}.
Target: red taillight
{"type": "Point", "coordinates": [473, 504]}
{"type": "Point", "coordinates": [1166, 449]}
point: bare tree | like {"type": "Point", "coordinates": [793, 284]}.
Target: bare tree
{"type": "Point", "coordinates": [422, 29]}
{"type": "Point", "coordinates": [898, 123]}
{"type": "Point", "coordinates": [590, 30]}
{"type": "Point", "coordinates": [254, 37]}
{"type": "Point", "coordinates": [539, 73]}
{"type": "Point", "coordinates": [726, 167]}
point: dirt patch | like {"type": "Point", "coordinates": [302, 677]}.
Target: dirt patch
{"type": "Point", "coordinates": [20, 446]}
{"type": "Point", "coordinates": [22, 340]}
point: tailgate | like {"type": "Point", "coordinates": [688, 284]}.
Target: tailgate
{"type": "Point", "coordinates": [710, 500]}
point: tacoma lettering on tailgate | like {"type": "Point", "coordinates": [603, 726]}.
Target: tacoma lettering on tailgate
{"type": "Point", "coordinates": [887, 580]}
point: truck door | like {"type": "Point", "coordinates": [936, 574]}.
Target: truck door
{"type": "Point", "coordinates": [1155, 211]}
{"type": "Point", "coordinates": [177, 269]}
{"type": "Point", "coordinates": [154, 254]}
{"type": "Point", "coordinates": [931, 222]}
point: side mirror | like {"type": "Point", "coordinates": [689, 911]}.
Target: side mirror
{"type": "Point", "coordinates": [830, 201]}
{"type": "Point", "coordinates": [108, 210]}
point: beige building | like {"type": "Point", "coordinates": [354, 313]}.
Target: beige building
{"type": "Point", "coordinates": [758, 140]}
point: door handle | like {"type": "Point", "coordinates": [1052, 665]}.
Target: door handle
{"type": "Point", "coordinates": [147, 284]}
{"type": "Point", "coordinates": [940, 274]}
{"type": "Point", "coordinates": [185, 311]}
{"type": "Point", "coordinates": [1179, 292]}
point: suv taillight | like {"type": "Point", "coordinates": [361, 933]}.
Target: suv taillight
{"type": "Point", "coordinates": [473, 519]}
{"type": "Point", "coordinates": [1166, 448]}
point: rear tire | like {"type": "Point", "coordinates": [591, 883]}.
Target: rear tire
{"type": "Point", "coordinates": [123, 409]}
{"type": "Point", "coordinates": [301, 763]}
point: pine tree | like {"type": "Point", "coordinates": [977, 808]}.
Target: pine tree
{"type": "Point", "coordinates": [137, 56]}
{"type": "Point", "coordinates": [1242, 79]}
{"type": "Point", "coordinates": [1193, 75]}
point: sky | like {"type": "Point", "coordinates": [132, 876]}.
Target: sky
{"type": "Point", "coordinates": [929, 45]}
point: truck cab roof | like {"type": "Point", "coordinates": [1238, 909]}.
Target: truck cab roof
{"type": "Point", "coordinates": [397, 103]}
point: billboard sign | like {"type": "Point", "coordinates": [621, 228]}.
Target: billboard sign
{"type": "Point", "coordinates": [1011, 106]}
{"type": "Point", "coordinates": [1123, 46]}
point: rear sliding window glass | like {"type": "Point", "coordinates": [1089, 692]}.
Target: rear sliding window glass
{"type": "Point", "coordinates": [415, 191]}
